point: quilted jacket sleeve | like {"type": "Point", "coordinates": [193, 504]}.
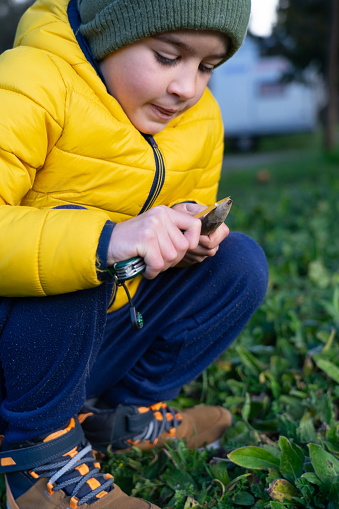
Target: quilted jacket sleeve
{"type": "Point", "coordinates": [49, 251]}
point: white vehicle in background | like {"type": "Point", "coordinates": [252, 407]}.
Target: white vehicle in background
{"type": "Point", "coordinates": [255, 102]}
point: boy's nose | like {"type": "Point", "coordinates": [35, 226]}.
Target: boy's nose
{"type": "Point", "coordinates": [184, 85]}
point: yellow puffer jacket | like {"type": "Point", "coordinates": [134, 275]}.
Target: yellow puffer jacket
{"type": "Point", "coordinates": [65, 140]}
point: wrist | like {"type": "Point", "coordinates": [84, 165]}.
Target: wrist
{"type": "Point", "coordinates": [103, 245]}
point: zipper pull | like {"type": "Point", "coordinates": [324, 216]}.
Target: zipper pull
{"type": "Point", "coordinates": [149, 138]}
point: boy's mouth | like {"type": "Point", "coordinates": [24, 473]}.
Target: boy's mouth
{"type": "Point", "coordinates": [164, 113]}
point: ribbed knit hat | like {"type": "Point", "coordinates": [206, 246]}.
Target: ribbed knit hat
{"type": "Point", "coordinates": [109, 25]}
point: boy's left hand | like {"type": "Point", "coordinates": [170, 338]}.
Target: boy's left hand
{"type": "Point", "coordinates": [208, 244]}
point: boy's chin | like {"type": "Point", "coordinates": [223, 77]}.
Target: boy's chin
{"type": "Point", "coordinates": [149, 127]}
{"type": "Point", "coordinates": [151, 131]}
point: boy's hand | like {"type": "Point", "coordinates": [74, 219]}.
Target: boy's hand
{"type": "Point", "coordinates": [208, 244]}
{"type": "Point", "coordinates": [161, 236]}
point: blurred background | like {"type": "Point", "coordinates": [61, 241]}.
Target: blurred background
{"type": "Point", "coordinates": [284, 80]}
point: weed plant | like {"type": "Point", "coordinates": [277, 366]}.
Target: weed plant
{"type": "Point", "coordinates": [281, 376]}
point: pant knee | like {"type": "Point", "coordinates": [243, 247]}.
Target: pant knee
{"type": "Point", "coordinates": [248, 262]}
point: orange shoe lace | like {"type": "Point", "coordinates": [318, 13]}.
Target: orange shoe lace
{"type": "Point", "coordinates": [77, 473]}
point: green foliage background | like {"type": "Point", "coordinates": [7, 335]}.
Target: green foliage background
{"type": "Point", "coordinates": [301, 33]}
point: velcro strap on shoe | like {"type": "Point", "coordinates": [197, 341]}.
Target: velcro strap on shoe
{"type": "Point", "coordinates": [136, 422]}
{"type": "Point", "coordinates": [33, 456]}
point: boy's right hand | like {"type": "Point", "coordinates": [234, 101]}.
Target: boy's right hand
{"type": "Point", "coordinates": [161, 236]}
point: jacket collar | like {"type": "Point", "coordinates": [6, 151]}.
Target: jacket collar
{"type": "Point", "coordinates": [74, 21]}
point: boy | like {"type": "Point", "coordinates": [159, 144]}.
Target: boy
{"type": "Point", "coordinates": [110, 144]}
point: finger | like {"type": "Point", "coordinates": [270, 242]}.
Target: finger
{"type": "Point", "coordinates": [192, 258]}
{"type": "Point", "coordinates": [212, 252]}
{"type": "Point", "coordinates": [172, 246]}
{"type": "Point", "coordinates": [189, 225]}
{"type": "Point", "coordinates": [200, 251]}
{"type": "Point", "coordinates": [165, 242]}
{"type": "Point", "coordinates": [194, 208]}
{"type": "Point", "coordinates": [153, 259]}
{"type": "Point", "coordinates": [215, 238]}
{"type": "Point", "coordinates": [160, 250]}
{"type": "Point", "coordinates": [189, 208]}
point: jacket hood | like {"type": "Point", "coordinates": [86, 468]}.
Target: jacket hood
{"type": "Point", "coordinates": [45, 26]}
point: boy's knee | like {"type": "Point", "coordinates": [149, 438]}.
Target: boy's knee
{"type": "Point", "coordinates": [248, 262]}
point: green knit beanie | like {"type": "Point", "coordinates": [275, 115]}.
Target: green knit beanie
{"type": "Point", "coordinates": [109, 25]}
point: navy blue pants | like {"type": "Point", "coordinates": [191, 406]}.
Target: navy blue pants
{"type": "Point", "coordinates": [57, 351]}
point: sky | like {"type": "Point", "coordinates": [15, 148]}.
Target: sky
{"type": "Point", "coordinates": [263, 16]}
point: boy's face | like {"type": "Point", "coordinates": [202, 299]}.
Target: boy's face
{"type": "Point", "coordinates": [158, 78]}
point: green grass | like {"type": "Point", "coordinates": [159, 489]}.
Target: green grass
{"type": "Point", "coordinates": [281, 376]}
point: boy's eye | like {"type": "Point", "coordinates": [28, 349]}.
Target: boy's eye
{"type": "Point", "coordinates": [173, 61]}
{"type": "Point", "coordinates": [205, 69]}
{"type": "Point", "coordinates": [165, 60]}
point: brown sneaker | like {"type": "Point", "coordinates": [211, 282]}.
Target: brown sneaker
{"type": "Point", "coordinates": [127, 425]}
{"type": "Point", "coordinates": [60, 472]}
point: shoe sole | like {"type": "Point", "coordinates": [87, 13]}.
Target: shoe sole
{"type": "Point", "coordinates": [12, 507]}
{"type": "Point", "coordinates": [10, 498]}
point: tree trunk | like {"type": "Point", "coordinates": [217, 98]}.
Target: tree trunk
{"type": "Point", "coordinates": [332, 78]}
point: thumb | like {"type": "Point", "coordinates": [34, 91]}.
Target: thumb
{"type": "Point", "coordinates": [194, 208]}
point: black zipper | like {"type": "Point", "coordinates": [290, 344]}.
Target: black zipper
{"type": "Point", "coordinates": [159, 177]}
{"type": "Point", "coordinates": [158, 182]}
